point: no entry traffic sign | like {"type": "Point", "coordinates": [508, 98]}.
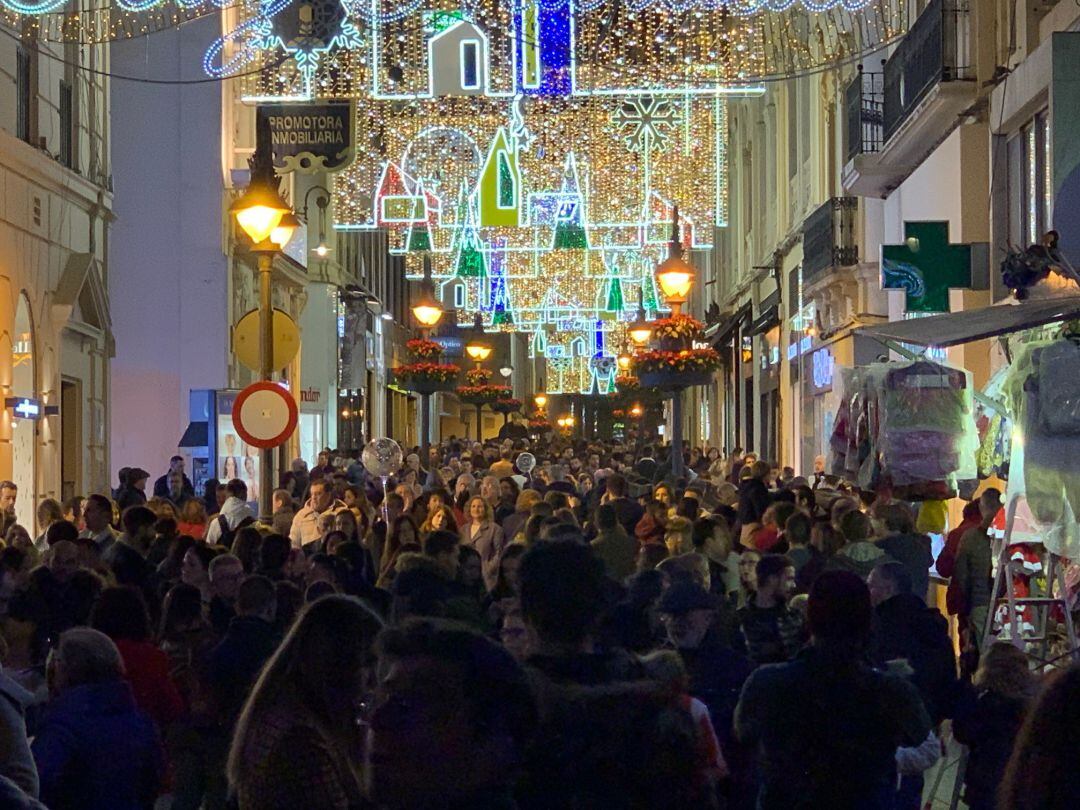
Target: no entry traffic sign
{"type": "Point", "coordinates": [264, 414]}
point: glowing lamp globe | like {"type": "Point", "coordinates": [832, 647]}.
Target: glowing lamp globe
{"type": "Point", "coordinates": [427, 311]}
{"type": "Point", "coordinates": [635, 411]}
{"type": "Point", "coordinates": [640, 332]}
{"type": "Point", "coordinates": [624, 360]}
{"type": "Point", "coordinates": [675, 277]}
{"type": "Point", "coordinates": [477, 351]}
{"type": "Point", "coordinates": [540, 400]}
{"type": "Point", "coordinates": [258, 211]}
{"type": "Point", "coordinates": [283, 233]}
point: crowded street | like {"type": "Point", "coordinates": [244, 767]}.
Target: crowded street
{"type": "Point", "coordinates": [539, 404]}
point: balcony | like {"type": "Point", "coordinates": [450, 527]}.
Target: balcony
{"type": "Point", "coordinates": [896, 118]}
{"type": "Point", "coordinates": [829, 238]}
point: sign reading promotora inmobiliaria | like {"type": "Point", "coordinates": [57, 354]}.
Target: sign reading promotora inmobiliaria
{"type": "Point", "coordinates": [309, 138]}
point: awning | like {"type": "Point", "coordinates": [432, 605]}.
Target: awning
{"type": "Point", "coordinates": [196, 435]}
{"type": "Point", "coordinates": [954, 328]}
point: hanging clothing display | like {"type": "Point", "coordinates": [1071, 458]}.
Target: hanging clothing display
{"type": "Point", "coordinates": [906, 427]}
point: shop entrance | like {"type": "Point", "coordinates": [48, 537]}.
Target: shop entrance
{"type": "Point", "coordinates": [70, 438]}
{"type": "Point", "coordinates": [24, 431]}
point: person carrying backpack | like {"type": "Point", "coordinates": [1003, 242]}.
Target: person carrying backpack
{"type": "Point", "coordinates": [235, 514]}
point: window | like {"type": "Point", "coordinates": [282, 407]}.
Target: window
{"type": "Point", "coordinates": [1029, 183]}
{"type": "Point", "coordinates": [67, 121]}
{"type": "Point", "coordinates": [793, 126]}
{"type": "Point", "coordinates": [459, 296]}
{"type": "Point", "coordinates": [507, 194]}
{"type": "Point", "coordinates": [23, 91]}
{"type": "Point", "coordinates": [470, 64]}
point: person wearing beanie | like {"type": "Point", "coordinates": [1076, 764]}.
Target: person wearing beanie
{"type": "Point", "coordinates": [827, 725]}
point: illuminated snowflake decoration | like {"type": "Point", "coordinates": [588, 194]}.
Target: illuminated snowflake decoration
{"type": "Point", "coordinates": [645, 122]}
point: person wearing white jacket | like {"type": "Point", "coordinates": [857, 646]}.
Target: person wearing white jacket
{"type": "Point", "coordinates": [305, 526]}
{"type": "Point", "coordinates": [233, 512]}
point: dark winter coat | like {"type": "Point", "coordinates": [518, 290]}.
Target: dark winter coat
{"type": "Point", "coordinates": [987, 724]}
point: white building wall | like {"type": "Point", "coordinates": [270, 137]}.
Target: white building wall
{"type": "Point", "coordinates": [169, 282]}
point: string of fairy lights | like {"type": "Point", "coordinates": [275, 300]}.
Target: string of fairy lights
{"type": "Point", "coordinates": [534, 150]}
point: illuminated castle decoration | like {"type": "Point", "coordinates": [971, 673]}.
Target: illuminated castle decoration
{"type": "Point", "coordinates": [470, 261]}
{"type": "Point", "coordinates": [305, 31]}
{"type": "Point", "coordinates": [458, 61]}
{"type": "Point", "coordinates": [500, 184]}
{"type": "Point", "coordinates": [403, 200]}
{"type": "Point", "coordinates": [657, 223]}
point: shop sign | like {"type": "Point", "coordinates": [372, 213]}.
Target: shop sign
{"type": "Point", "coordinates": [310, 138]}
{"type": "Point", "coordinates": [311, 395]}
{"type": "Point", "coordinates": [24, 407]}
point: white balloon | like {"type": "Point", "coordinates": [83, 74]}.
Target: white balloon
{"type": "Point", "coordinates": [382, 457]}
{"type": "Point", "coordinates": [526, 462]}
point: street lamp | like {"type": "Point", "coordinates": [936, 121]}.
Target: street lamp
{"type": "Point", "coordinates": [635, 410]}
{"type": "Point", "coordinates": [427, 311]}
{"type": "Point", "coordinates": [477, 348]}
{"type": "Point", "coordinates": [624, 360]}
{"type": "Point", "coordinates": [540, 400]}
{"type": "Point", "coordinates": [675, 275]}
{"type": "Point", "coordinates": [269, 223]}
{"type": "Point", "coordinates": [640, 330]}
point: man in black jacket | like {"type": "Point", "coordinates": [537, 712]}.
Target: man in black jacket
{"type": "Point", "coordinates": [906, 629]}
{"type": "Point", "coordinates": [754, 496]}
{"type": "Point", "coordinates": [826, 725]}
{"type": "Point", "coordinates": [629, 512]}
{"type": "Point", "coordinates": [161, 485]}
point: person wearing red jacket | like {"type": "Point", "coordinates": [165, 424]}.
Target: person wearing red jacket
{"type": "Point", "coordinates": [955, 599]}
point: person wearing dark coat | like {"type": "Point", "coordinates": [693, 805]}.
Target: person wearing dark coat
{"type": "Point", "coordinates": [827, 725]}
{"type": "Point", "coordinates": [234, 663]}
{"type": "Point", "coordinates": [94, 749]}
{"type": "Point", "coordinates": [905, 628]}
{"type": "Point", "coordinates": [629, 512]}
{"type": "Point", "coordinates": [754, 496]}
{"type": "Point", "coordinates": [161, 485]}
{"type": "Point", "coordinates": [132, 491]}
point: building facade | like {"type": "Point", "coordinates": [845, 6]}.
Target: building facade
{"type": "Point", "coordinates": [55, 221]}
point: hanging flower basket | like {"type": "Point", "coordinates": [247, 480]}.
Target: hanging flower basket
{"type": "Point", "coordinates": [424, 349]}
{"type": "Point", "coordinates": [480, 395]}
{"type": "Point", "coordinates": [427, 378]}
{"type": "Point", "coordinates": [676, 333]}
{"type": "Point", "coordinates": [506, 406]}
{"type": "Point", "coordinates": [672, 380]}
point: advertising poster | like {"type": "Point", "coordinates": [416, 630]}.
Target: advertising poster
{"type": "Point", "coordinates": [235, 458]}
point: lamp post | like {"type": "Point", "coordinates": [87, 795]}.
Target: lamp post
{"type": "Point", "coordinates": [675, 277]}
{"type": "Point", "coordinates": [269, 223]}
{"type": "Point", "coordinates": [640, 330]}
{"type": "Point", "coordinates": [478, 350]}
{"type": "Point", "coordinates": [428, 312]}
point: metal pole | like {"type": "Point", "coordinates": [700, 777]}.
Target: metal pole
{"type": "Point", "coordinates": [425, 430]}
{"type": "Point", "coordinates": [677, 467]}
{"type": "Point", "coordinates": [479, 423]}
{"type": "Point", "coordinates": [266, 372]}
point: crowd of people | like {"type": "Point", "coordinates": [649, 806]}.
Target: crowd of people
{"type": "Point", "coordinates": [585, 633]}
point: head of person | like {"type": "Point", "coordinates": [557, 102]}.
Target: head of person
{"type": "Point", "coordinates": [748, 561]}
{"type": "Point", "coordinates": [236, 488]}
{"type": "Point", "coordinates": [97, 513]}
{"type": "Point", "coordinates": [137, 478]}
{"type": "Point", "coordinates": [181, 612]}
{"type": "Point", "coordinates": [139, 523]}
{"type": "Point", "coordinates": [607, 519]}
{"type": "Point", "coordinates": [470, 568]}
{"type": "Point", "coordinates": [403, 532]}
{"type": "Point", "coordinates": [176, 481]}
{"type": "Point", "coordinates": [83, 657]}
{"type": "Point", "coordinates": [221, 494]}
{"type": "Point", "coordinates": [687, 611]}
{"type": "Point", "coordinates": [395, 506]}
{"type": "Point", "coordinates": [322, 677]}
{"type": "Point", "coordinates": [195, 567]}
{"type": "Point", "coordinates": [509, 579]}
{"type": "Point", "coordinates": [257, 597]}
{"type": "Point", "coordinates": [452, 720]}
{"type": "Point", "coordinates": [61, 530]}
{"type": "Point", "coordinates": [514, 635]}
{"type": "Point", "coordinates": [9, 492]}
{"type": "Point", "coordinates": [777, 514]}
{"type": "Point", "coordinates": [226, 574]}
{"type": "Point", "coordinates": [775, 578]}
{"type": "Point", "coordinates": [442, 547]}
{"type": "Point", "coordinates": [1005, 670]}
{"type": "Point", "coordinates": [176, 464]}
{"type": "Point", "coordinates": [888, 580]}
{"type": "Point", "coordinates": [760, 470]}
{"type": "Point", "coordinates": [120, 613]}
{"type": "Point", "coordinates": [489, 488]}
{"type": "Point", "coordinates": [855, 527]}
{"type": "Point", "coordinates": [838, 611]}
{"type": "Point", "coordinates": [321, 495]}
{"type": "Point", "coordinates": [63, 560]}
{"type": "Point", "coordinates": [797, 530]}
{"type": "Point", "coordinates": [840, 507]}
{"type": "Point", "coordinates": [893, 517]}
{"type": "Point", "coordinates": [193, 511]}
{"type": "Point", "coordinates": [562, 593]}
{"type": "Point", "coordinates": [49, 511]}
{"type": "Point", "coordinates": [616, 486]}
{"type": "Point", "coordinates": [662, 493]}
{"type": "Point", "coordinates": [479, 510]}
{"type": "Point", "coordinates": [508, 490]}
{"type": "Point", "coordinates": [989, 505]}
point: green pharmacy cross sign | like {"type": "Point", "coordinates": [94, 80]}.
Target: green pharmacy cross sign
{"type": "Point", "coordinates": [926, 266]}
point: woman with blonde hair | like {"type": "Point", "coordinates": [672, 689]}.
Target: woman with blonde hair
{"type": "Point", "coordinates": [440, 518]}
{"type": "Point", "coordinates": [193, 519]}
{"type": "Point", "coordinates": [482, 533]}
{"type": "Point", "coordinates": [988, 720]}
{"type": "Point", "coordinates": [298, 742]}
{"type": "Point", "coordinates": [514, 525]}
